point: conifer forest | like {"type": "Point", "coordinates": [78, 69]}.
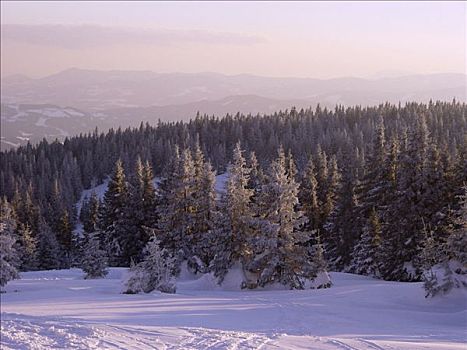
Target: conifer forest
{"type": "Point", "coordinates": [361, 190]}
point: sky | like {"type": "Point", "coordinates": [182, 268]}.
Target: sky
{"type": "Point", "coordinates": [298, 39]}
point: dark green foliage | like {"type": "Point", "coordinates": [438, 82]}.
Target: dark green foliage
{"type": "Point", "coordinates": [405, 163]}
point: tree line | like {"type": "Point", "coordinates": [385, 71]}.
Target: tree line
{"type": "Point", "coordinates": [367, 189]}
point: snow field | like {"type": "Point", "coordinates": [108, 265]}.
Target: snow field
{"type": "Point", "coordinates": [58, 309]}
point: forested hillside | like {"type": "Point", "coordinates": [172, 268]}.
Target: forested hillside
{"type": "Point", "coordinates": [369, 190]}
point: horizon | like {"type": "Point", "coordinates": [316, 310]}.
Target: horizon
{"type": "Point", "coordinates": [378, 75]}
{"type": "Point", "coordinates": [316, 40]}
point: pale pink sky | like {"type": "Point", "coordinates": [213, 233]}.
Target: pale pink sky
{"type": "Point", "coordinates": [303, 39]}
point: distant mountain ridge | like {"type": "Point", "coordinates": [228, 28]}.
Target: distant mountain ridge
{"type": "Point", "coordinates": [100, 90]}
{"type": "Point", "coordinates": [34, 108]}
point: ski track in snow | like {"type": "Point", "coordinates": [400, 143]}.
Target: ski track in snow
{"type": "Point", "coordinates": [19, 332]}
{"type": "Point", "coordinates": [58, 309]}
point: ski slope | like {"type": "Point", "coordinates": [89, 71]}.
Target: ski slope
{"type": "Point", "coordinates": [61, 310]}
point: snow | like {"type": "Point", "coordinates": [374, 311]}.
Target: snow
{"type": "Point", "coordinates": [73, 112]}
{"type": "Point", "coordinates": [9, 143]}
{"type": "Point", "coordinates": [100, 190]}
{"type": "Point", "coordinates": [25, 134]}
{"type": "Point", "coordinates": [50, 112]}
{"type": "Point", "coordinates": [221, 182]}
{"type": "Point", "coordinates": [41, 121]}
{"type": "Point", "coordinates": [15, 117]}
{"type": "Point", "coordinates": [99, 114]}
{"type": "Point", "coordinates": [59, 309]}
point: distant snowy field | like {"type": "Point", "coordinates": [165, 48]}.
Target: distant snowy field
{"type": "Point", "coordinates": [61, 310]}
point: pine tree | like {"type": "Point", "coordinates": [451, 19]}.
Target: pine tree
{"type": "Point", "coordinates": [149, 198]}
{"type": "Point", "coordinates": [319, 273]}
{"type": "Point", "coordinates": [308, 196]}
{"type": "Point", "coordinates": [155, 272]}
{"type": "Point", "coordinates": [238, 204]}
{"type": "Point", "coordinates": [279, 252]}
{"type": "Point", "coordinates": [113, 218]}
{"type": "Point", "coordinates": [340, 227]}
{"type": "Point", "coordinates": [136, 235]}
{"type": "Point", "coordinates": [404, 226]}
{"type": "Point", "coordinates": [366, 253]}
{"type": "Point", "coordinates": [256, 175]}
{"type": "Point", "coordinates": [331, 189]}
{"type": "Point", "coordinates": [56, 208]}
{"type": "Point", "coordinates": [322, 177]}
{"type": "Point", "coordinates": [435, 191]}
{"type": "Point", "coordinates": [222, 243]}
{"type": "Point", "coordinates": [94, 262]}
{"type": "Point", "coordinates": [451, 273]}
{"type": "Point", "coordinates": [9, 259]}
{"type": "Point", "coordinates": [374, 182]}
{"type": "Point", "coordinates": [175, 226]}
{"type": "Point", "coordinates": [8, 216]}
{"type": "Point", "coordinates": [64, 237]}
{"type": "Point", "coordinates": [50, 255]}
{"type": "Point", "coordinates": [8, 256]}
{"type": "Point", "coordinates": [166, 209]}
{"type": "Point", "coordinates": [26, 210]}
{"type": "Point", "coordinates": [429, 257]}
{"type": "Point", "coordinates": [291, 166]}
{"type": "Point", "coordinates": [89, 214]}
{"type": "Point", "coordinates": [205, 216]}
{"type": "Point", "coordinates": [27, 248]}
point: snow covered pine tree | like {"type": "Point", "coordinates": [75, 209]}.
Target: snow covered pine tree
{"type": "Point", "coordinates": [155, 272]}
{"type": "Point", "coordinates": [94, 262]}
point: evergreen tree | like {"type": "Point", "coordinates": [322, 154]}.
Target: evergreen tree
{"type": "Point", "coordinates": [291, 166]}
{"type": "Point", "coordinates": [27, 248]}
{"type": "Point", "coordinates": [256, 175]}
{"type": "Point", "coordinates": [155, 272]}
{"type": "Point", "coordinates": [404, 224]}
{"type": "Point", "coordinates": [451, 273]}
{"type": "Point", "coordinates": [279, 253]}
{"type": "Point", "coordinates": [205, 216]}
{"type": "Point", "coordinates": [238, 206]}
{"type": "Point", "coordinates": [89, 214]}
{"type": "Point", "coordinates": [149, 197]}
{"type": "Point", "coordinates": [308, 196]}
{"type": "Point", "coordinates": [136, 236]}
{"type": "Point", "coordinates": [177, 207]}
{"type": "Point", "coordinates": [405, 180]}
{"type": "Point", "coordinates": [322, 177]}
{"type": "Point", "coordinates": [26, 210]}
{"type": "Point", "coordinates": [49, 251]}
{"type": "Point", "coordinates": [332, 187]}
{"type": "Point", "coordinates": [56, 208]}
{"type": "Point", "coordinates": [340, 227]}
{"type": "Point", "coordinates": [94, 262]}
{"type": "Point", "coordinates": [9, 259]}
{"type": "Point", "coordinates": [8, 256]}
{"type": "Point", "coordinates": [113, 219]}
{"type": "Point", "coordinates": [8, 217]}
{"type": "Point", "coordinates": [366, 253]}
{"type": "Point", "coordinates": [64, 238]}
{"type": "Point", "coordinates": [376, 168]}
{"type": "Point", "coordinates": [319, 271]}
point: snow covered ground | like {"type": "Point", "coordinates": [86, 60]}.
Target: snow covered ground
{"type": "Point", "coordinates": [61, 310]}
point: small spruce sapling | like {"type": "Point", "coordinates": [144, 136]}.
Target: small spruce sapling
{"type": "Point", "coordinates": [155, 272]}
{"type": "Point", "coordinates": [94, 262]}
